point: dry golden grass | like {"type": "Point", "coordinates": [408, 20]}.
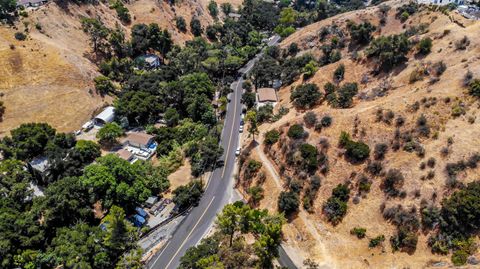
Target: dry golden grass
{"type": "Point", "coordinates": [310, 235]}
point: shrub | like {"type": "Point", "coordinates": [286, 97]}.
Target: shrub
{"type": "Point", "coordinates": [474, 88]}
{"type": "Point", "coordinates": [459, 257]}
{"type": "Point", "coordinates": [379, 151]}
{"type": "Point", "coordinates": [461, 211]}
{"type": "Point", "coordinates": [293, 49]}
{"type": "Point", "coordinates": [196, 27]}
{"type": "Point", "coordinates": [20, 36]}
{"type": "Point", "coordinates": [439, 68]}
{"type": "Point", "coordinates": [359, 232]}
{"type": "Point", "coordinates": [103, 85]}
{"type": "Point", "coordinates": [271, 137]}
{"type": "Point", "coordinates": [288, 202]}
{"type": "Point", "coordinates": [336, 206]}
{"type": "Point", "coordinates": [310, 118]}
{"type": "Point", "coordinates": [462, 44]}
{"type": "Point", "coordinates": [361, 33]}
{"type": "Point", "coordinates": [356, 151]}
{"type": "Point", "coordinates": [376, 241]}
{"type": "Point", "coordinates": [296, 131]}
{"type": "Point", "coordinates": [306, 95]}
{"type": "Point", "coordinates": [309, 154]}
{"type": "Point", "coordinates": [181, 23]}
{"type": "Point", "coordinates": [326, 121]}
{"type": "Point", "coordinates": [424, 46]}
{"type": "Point", "coordinates": [339, 73]}
{"type": "Point", "coordinates": [389, 50]}
{"type": "Point", "coordinates": [393, 182]}
{"type": "Point", "coordinates": [346, 94]}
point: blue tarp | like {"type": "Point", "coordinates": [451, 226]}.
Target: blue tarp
{"type": "Point", "coordinates": [141, 212]}
{"type": "Point", "coordinates": [138, 220]}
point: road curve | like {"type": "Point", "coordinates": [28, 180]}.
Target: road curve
{"type": "Point", "coordinates": [219, 188]}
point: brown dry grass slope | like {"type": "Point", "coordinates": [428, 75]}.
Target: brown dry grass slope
{"type": "Point", "coordinates": [333, 246]}
{"type": "Point", "coordinates": [49, 76]}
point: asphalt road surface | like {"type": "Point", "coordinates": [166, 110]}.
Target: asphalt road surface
{"type": "Point", "coordinates": [218, 190]}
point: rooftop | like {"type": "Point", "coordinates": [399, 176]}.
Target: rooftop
{"type": "Point", "coordinates": [138, 138]}
{"type": "Point", "coordinates": [125, 154]}
{"type": "Point", "coordinates": [107, 115]}
{"type": "Point", "coordinates": [267, 95]}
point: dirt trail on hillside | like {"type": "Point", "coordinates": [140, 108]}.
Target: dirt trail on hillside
{"type": "Point", "coordinates": [310, 227]}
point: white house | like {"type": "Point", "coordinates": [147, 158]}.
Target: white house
{"type": "Point", "coordinates": [441, 2]}
{"type": "Point", "coordinates": [141, 145]}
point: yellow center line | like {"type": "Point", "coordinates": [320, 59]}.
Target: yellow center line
{"type": "Point", "coordinates": [191, 231]}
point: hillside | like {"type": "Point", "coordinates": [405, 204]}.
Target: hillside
{"type": "Point", "coordinates": [50, 75]}
{"type": "Point", "coordinates": [387, 110]}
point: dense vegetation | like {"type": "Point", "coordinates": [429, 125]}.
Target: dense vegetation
{"type": "Point", "coordinates": [59, 227]}
{"type": "Point", "coordinates": [228, 248]}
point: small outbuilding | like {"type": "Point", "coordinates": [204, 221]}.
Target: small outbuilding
{"type": "Point", "coordinates": [266, 96]}
{"type": "Point", "coordinates": [31, 3]}
{"type": "Point", "coordinates": [106, 116]}
{"type": "Point", "coordinates": [152, 200]}
{"type": "Point", "coordinates": [126, 155]}
{"type": "Point", "coordinates": [148, 61]}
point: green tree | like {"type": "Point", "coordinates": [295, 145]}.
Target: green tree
{"type": "Point", "coordinates": [256, 194]}
{"type": "Point", "coordinates": [389, 50]}
{"type": "Point", "coordinates": [188, 195]}
{"type": "Point", "coordinates": [251, 118]}
{"type": "Point", "coordinates": [296, 131]}
{"type": "Point", "coordinates": [213, 8]}
{"type": "Point", "coordinates": [310, 69]}
{"type": "Point", "coordinates": [78, 247]}
{"type": "Point", "coordinates": [249, 99]}
{"type": "Point", "coordinates": [15, 182]}
{"type": "Point", "coordinates": [271, 137]}
{"type": "Point", "coordinates": [28, 140]}
{"type": "Point", "coordinates": [98, 34]}
{"type": "Point", "coordinates": [7, 7]}
{"type": "Point", "coordinates": [361, 33]}
{"type": "Point", "coordinates": [104, 85]}
{"type": "Point", "coordinates": [306, 95]}
{"type": "Point", "coordinates": [288, 202]}
{"type": "Point", "coordinates": [120, 235]}
{"type": "Point", "coordinates": [424, 46]}
{"type": "Point", "coordinates": [196, 27]}
{"type": "Point", "coordinates": [88, 150]}
{"type": "Point", "coordinates": [336, 206]}
{"type": "Point", "coordinates": [109, 133]}
{"type": "Point", "coordinates": [181, 23]}
{"type": "Point", "coordinates": [474, 88]}
{"type": "Point", "coordinates": [229, 221]}
{"type": "Point", "coordinates": [266, 247]}
{"type": "Point", "coordinates": [226, 8]}
{"type": "Point", "coordinates": [171, 117]}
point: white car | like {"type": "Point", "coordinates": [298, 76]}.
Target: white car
{"type": "Point", "coordinates": [241, 129]}
{"type": "Point", "coordinates": [237, 152]}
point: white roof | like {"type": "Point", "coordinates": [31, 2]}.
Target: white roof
{"type": "Point", "coordinates": [107, 115]}
{"type": "Point", "coordinates": [40, 163]}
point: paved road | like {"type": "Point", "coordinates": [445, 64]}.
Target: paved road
{"type": "Point", "coordinates": [219, 189]}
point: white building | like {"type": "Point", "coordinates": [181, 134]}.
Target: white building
{"type": "Point", "coordinates": [106, 116]}
{"type": "Point", "coordinates": [141, 145]}
{"type": "Point", "coordinates": [441, 2]}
